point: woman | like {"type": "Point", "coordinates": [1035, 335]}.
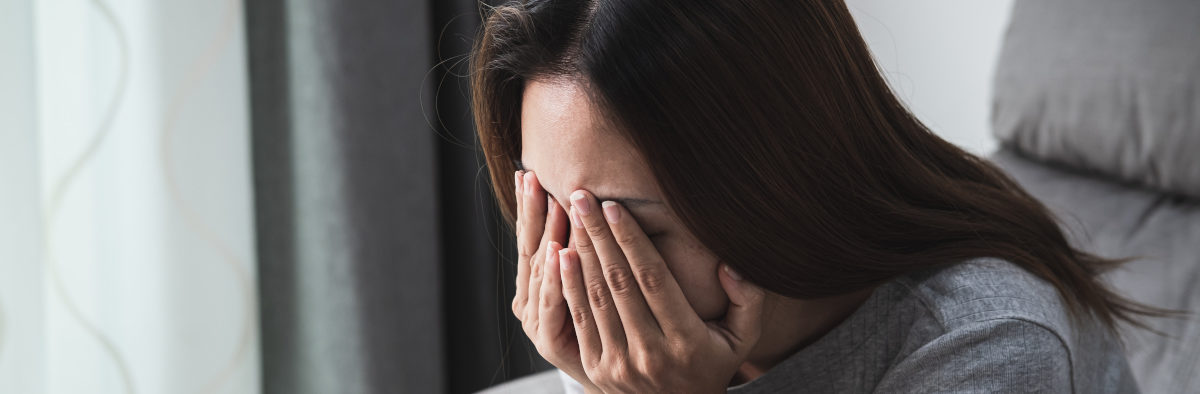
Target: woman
{"type": "Point", "coordinates": [726, 195]}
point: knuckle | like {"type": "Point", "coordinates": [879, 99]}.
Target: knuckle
{"type": "Point", "coordinates": [621, 281]}
{"type": "Point", "coordinates": [593, 370]}
{"type": "Point", "coordinates": [626, 239]}
{"type": "Point", "coordinates": [681, 354]}
{"type": "Point", "coordinates": [547, 303]}
{"type": "Point", "coordinates": [676, 348]}
{"type": "Point", "coordinates": [598, 296]}
{"type": "Point", "coordinates": [585, 248]}
{"type": "Point", "coordinates": [535, 269]}
{"type": "Point", "coordinates": [652, 279]}
{"type": "Point", "coordinates": [543, 337]}
{"type": "Point", "coordinates": [685, 363]}
{"type": "Point", "coordinates": [581, 317]}
{"type": "Point", "coordinates": [619, 369]}
{"type": "Point", "coordinates": [523, 250]}
{"type": "Point", "coordinates": [616, 376]}
{"type": "Point", "coordinates": [598, 233]}
{"type": "Point", "coordinates": [647, 365]}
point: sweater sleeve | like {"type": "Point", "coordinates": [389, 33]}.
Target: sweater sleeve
{"type": "Point", "coordinates": [1000, 355]}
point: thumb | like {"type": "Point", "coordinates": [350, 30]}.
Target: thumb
{"type": "Point", "coordinates": [743, 320]}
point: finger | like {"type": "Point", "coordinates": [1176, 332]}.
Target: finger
{"type": "Point", "coordinates": [743, 320]}
{"type": "Point", "coordinates": [522, 262]}
{"type": "Point", "coordinates": [535, 288]}
{"type": "Point", "coordinates": [662, 293]}
{"type": "Point", "coordinates": [608, 322]}
{"type": "Point", "coordinates": [557, 225]}
{"type": "Point", "coordinates": [639, 324]}
{"type": "Point", "coordinates": [552, 307]}
{"type": "Point", "coordinates": [576, 294]}
{"type": "Point", "coordinates": [518, 180]}
{"type": "Point", "coordinates": [533, 215]}
{"type": "Point", "coordinates": [555, 229]}
{"type": "Point", "coordinates": [531, 235]}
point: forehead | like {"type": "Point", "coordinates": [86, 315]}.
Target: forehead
{"type": "Point", "coordinates": [563, 141]}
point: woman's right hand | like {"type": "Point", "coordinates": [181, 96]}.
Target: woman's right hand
{"type": "Point", "coordinates": [539, 304]}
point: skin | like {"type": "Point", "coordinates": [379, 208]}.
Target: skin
{"type": "Point", "coordinates": [623, 298]}
{"type": "Point", "coordinates": [569, 151]}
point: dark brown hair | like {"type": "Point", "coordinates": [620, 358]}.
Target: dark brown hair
{"type": "Point", "coordinates": [777, 143]}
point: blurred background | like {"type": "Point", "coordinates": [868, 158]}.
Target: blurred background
{"type": "Point", "coordinates": [285, 196]}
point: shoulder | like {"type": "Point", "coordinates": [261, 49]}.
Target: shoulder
{"type": "Point", "coordinates": [995, 355]}
{"type": "Point", "coordinates": [985, 289]}
{"type": "Point", "coordinates": [982, 325]}
{"type": "Point", "coordinates": [987, 324]}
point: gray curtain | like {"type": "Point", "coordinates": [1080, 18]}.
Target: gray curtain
{"type": "Point", "coordinates": [383, 267]}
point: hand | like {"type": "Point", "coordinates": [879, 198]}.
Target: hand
{"type": "Point", "coordinates": [539, 304]}
{"type": "Point", "coordinates": [636, 330]}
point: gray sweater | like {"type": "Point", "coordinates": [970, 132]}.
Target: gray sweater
{"type": "Point", "coordinates": [983, 325]}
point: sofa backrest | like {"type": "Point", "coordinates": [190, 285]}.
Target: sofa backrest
{"type": "Point", "coordinates": [1097, 109]}
{"type": "Point", "coordinates": [1105, 86]}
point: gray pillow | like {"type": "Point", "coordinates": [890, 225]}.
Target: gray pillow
{"type": "Point", "coordinates": [1106, 86]}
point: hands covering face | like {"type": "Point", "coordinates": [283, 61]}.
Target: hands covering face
{"type": "Point", "coordinates": [608, 311]}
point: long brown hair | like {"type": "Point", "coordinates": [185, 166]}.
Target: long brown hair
{"type": "Point", "coordinates": [777, 143]}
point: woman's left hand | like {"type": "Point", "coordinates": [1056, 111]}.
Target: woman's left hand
{"type": "Point", "coordinates": [636, 330]}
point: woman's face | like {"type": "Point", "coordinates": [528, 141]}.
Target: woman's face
{"type": "Point", "coordinates": [568, 149]}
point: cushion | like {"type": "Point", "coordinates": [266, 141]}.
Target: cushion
{"type": "Point", "coordinates": [1107, 86]}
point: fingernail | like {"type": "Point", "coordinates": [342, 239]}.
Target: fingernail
{"type": "Point", "coordinates": [562, 259]}
{"type": "Point", "coordinates": [549, 250]}
{"type": "Point", "coordinates": [611, 212]}
{"type": "Point", "coordinates": [575, 218]}
{"type": "Point", "coordinates": [528, 183]}
{"type": "Point", "coordinates": [579, 200]}
{"type": "Point", "coordinates": [732, 274]}
{"type": "Point", "coordinates": [517, 180]}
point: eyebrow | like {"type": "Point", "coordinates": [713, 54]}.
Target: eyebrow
{"type": "Point", "coordinates": [628, 202]}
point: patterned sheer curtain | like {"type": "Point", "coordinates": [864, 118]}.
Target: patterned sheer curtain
{"type": "Point", "coordinates": [126, 219]}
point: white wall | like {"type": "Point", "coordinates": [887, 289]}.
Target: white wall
{"type": "Point", "coordinates": [939, 56]}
